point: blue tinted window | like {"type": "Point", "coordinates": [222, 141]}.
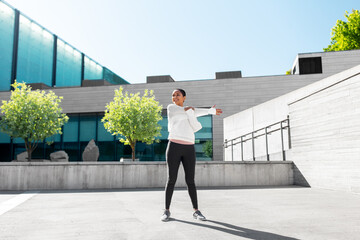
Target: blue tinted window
{"type": "Point", "coordinates": [110, 149]}
{"type": "Point", "coordinates": [113, 78]}
{"type": "Point", "coordinates": [7, 18]}
{"type": "Point", "coordinates": [18, 140]}
{"type": "Point", "coordinates": [92, 70]}
{"type": "Point", "coordinates": [4, 138]}
{"type": "Point", "coordinates": [35, 53]}
{"type": "Point", "coordinates": [107, 151]}
{"type": "Point", "coordinates": [68, 65]}
{"type": "Point", "coordinates": [71, 129]}
{"type": "Point", "coordinates": [87, 128]}
{"type": "Point", "coordinates": [72, 149]}
{"type": "Point", "coordinates": [206, 131]}
{"type": "Point", "coordinates": [54, 138]}
{"type": "Point", "coordinates": [164, 128]}
{"type": "Point", "coordinates": [5, 149]}
{"type": "Point", "coordinates": [206, 121]}
{"type": "Point", "coordinates": [103, 134]}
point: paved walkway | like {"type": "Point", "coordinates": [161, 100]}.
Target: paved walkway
{"type": "Point", "coordinates": [243, 213]}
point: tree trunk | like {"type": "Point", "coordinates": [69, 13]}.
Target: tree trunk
{"type": "Point", "coordinates": [28, 149]}
{"type": "Point", "coordinates": [133, 150]}
{"type": "Point", "coordinates": [29, 154]}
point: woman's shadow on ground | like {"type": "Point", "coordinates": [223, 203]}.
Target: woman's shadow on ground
{"type": "Point", "coordinates": [237, 231]}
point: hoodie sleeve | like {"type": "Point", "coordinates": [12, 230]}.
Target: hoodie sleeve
{"type": "Point", "coordinates": [204, 111]}
{"type": "Point", "coordinates": [194, 123]}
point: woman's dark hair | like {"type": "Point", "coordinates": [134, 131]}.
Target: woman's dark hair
{"type": "Point", "coordinates": [182, 91]}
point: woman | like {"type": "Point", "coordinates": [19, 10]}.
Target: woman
{"type": "Point", "coordinates": [182, 124]}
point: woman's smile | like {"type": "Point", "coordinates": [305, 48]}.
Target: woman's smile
{"type": "Point", "coordinates": [178, 98]}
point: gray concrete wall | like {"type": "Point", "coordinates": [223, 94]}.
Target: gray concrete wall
{"type": "Point", "coordinates": [271, 112]}
{"type": "Point", "coordinates": [232, 95]}
{"type": "Point", "coordinates": [253, 119]}
{"type": "Point", "coordinates": [112, 175]}
{"type": "Point", "coordinates": [325, 130]}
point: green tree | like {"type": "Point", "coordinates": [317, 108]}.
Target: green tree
{"type": "Point", "coordinates": [133, 118]}
{"type": "Point", "coordinates": [346, 35]}
{"type": "Point", "coordinates": [208, 149]}
{"type": "Point", "coordinates": [31, 115]}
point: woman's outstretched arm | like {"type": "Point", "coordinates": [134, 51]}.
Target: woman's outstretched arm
{"type": "Point", "coordinates": [206, 111]}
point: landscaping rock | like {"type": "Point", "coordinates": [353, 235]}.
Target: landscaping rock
{"type": "Point", "coordinates": [59, 156]}
{"type": "Point", "coordinates": [91, 152]}
{"type": "Point", "coordinates": [22, 157]}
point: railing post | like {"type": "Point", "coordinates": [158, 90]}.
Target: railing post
{"type": "Point", "coordinates": [242, 149]}
{"type": "Point", "coordinates": [289, 136]}
{"type": "Point", "coordinates": [282, 141]}
{"type": "Point", "coordinates": [232, 150]}
{"type": "Point", "coordinates": [224, 149]}
{"type": "Point", "coordinates": [253, 145]}
{"type": "Point", "coordinates": [266, 143]}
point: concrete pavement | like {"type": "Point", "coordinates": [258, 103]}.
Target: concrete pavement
{"type": "Point", "coordinates": [238, 213]}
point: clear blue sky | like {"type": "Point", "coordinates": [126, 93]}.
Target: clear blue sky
{"type": "Point", "coordinates": [190, 39]}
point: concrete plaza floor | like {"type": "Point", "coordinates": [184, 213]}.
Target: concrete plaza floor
{"type": "Point", "coordinates": [238, 213]}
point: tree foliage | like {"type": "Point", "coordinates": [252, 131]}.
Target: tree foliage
{"type": "Point", "coordinates": [133, 118]}
{"type": "Point", "coordinates": [346, 34]}
{"type": "Point", "coordinates": [31, 115]}
{"type": "Point", "coordinates": [208, 149]}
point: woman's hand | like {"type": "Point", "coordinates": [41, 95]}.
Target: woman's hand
{"type": "Point", "coordinates": [218, 110]}
{"type": "Point", "coordinates": [187, 108]}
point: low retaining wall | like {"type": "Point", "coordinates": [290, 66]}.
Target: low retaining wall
{"type": "Point", "coordinates": [113, 175]}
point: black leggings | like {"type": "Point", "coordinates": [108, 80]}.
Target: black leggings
{"type": "Point", "coordinates": [176, 153]}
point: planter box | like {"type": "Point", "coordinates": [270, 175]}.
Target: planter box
{"type": "Point", "coordinates": [115, 175]}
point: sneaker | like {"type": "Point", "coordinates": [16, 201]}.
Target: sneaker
{"type": "Point", "coordinates": [198, 215]}
{"type": "Point", "coordinates": [166, 216]}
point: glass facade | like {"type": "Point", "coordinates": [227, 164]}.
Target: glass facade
{"type": "Point", "coordinates": [30, 53]}
{"type": "Point", "coordinates": [7, 21]}
{"type": "Point", "coordinates": [112, 77]}
{"type": "Point", "coordinates": [35, 53]}
{"type": "Point", "coordinates": [92, 70]}
{"type": "Point", "coordinates": [81, 128]}
{"type": "Point", "coordinates": [41, 57]}
{"type": "Point", "coordinates": [68, 65]}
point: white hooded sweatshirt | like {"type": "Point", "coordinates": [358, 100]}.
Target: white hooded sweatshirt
{"type": "Point", "coordinates": [183, 124]}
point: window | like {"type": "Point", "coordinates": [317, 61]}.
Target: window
{"type": "Point", "coordinates": [35, 53]}
{"type": "Point", "coordinates": [68, 65]}
{"type": "Point", "coordinates": [92, 70]}
{"type": "Point", "coordinates": [7, 16]}
{"type": "Point", "coordinates": [310, 65]}
{"type": "Point", "coordinates": [81, 128]}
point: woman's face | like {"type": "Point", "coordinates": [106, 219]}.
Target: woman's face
{"type": "Point", "coordinates": [178, 98]}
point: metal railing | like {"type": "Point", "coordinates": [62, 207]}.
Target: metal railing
{"type": "Point", "coordinates": [266, 132]}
